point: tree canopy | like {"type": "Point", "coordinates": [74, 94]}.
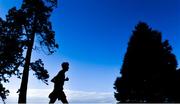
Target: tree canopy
{"type": "Point", "coordinates": [11, 50]}
{"type": "Point", "coordinates": [149, 68]}
{"type": "Point", "coordinates": [17, 38]}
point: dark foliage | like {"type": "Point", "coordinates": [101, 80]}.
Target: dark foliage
{"type": "Point", "coordinates": [35, 22]}
{"type": "Point", "coordinates": [177, 87]}
{"type": "Point", "coordinates": [10, 49]}
{"type": "Point", "coordinates": [148, 70]}
{"type": "Point", "coordinates": [3, 92]}
{"type": "Point", "coordinates": [40, 72]}
{"type": "Point", "coordinates": [17, 35]}
{"type": "Point", "coordinates": [36, 14]}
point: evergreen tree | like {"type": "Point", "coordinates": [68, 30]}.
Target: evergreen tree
{"type": "Point", "coordinates": [177, 87]}
{"type": "Point", "coordinates": [18, 34]}
{"type": "Point", "coordinates": [11, 50]}
{"type": "Point", "coordinates": [35, 15]}
{"type": "Point", "coordinates": [148, 69]}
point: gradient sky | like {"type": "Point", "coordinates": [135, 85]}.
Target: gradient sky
{"type": "Point", "coordinates": [93, 37]}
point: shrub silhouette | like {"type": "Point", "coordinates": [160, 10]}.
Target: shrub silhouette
{"type": "Point", "coordinates": [149, 67]}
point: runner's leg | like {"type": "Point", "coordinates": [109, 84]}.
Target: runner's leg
{"type": "Point", "coordinates": [52, 100]}
{"type": "Point", "coordinates": [63, 98]}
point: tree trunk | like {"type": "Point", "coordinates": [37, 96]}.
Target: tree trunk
{"type": "Point", "coordinates": [24, 81]}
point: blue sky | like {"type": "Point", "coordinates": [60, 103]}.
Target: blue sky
{"type": "Point", "coordinates": [93, 37]}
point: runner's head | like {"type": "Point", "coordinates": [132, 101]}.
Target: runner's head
{"type": "Point", "coordinates": [65, 66]}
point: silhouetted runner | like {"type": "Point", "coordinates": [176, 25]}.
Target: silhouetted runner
{"type": "Point", "coordinates": [58, 81]}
